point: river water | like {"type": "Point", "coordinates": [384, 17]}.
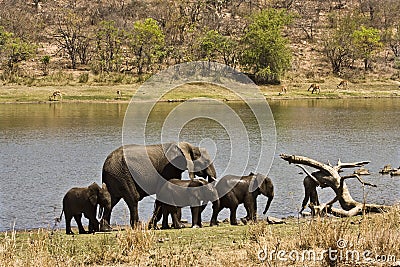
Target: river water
{"type": "Point", "coordinates": [45, 149]}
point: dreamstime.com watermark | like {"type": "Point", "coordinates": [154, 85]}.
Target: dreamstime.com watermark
{"type": "Point", "coordinates": [340, 254]}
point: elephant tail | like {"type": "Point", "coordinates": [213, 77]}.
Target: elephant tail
{"type": "Point", "coordinates": [57, 220]}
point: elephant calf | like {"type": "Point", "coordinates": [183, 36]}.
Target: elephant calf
{"type": "Point", "coordinates": [84, 200]}
{"type": "Point", "coordinates": [176, 194]}
{"type": "Point", "coordinates": [236, 190]}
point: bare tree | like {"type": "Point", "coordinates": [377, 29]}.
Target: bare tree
{"type": "Point", "coordinates": [71, 38]}
{"type": "Point", "coordinates": [309, 13]}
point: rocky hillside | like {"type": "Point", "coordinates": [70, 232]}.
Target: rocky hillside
{"type": "Point", "coordinates": [75, 39]}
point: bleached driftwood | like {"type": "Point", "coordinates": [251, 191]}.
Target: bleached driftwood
{"type": "Point", "coordinates": [328, 176]}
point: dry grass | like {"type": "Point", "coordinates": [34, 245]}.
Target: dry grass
{"type": "Point", "coordinates": [215, 246]}
{"type": "Point", "coordinates": [332, 241]}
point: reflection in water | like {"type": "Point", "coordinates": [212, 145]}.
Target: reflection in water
{"type": "Point", "coordinates": [47, 149]}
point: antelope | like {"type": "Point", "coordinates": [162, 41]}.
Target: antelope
{"type": "Point", "coordinates": [55, 94]}
{"type": "Point", "coordinates": [119, 94]}
{"type": "Point", "coordinates": [315, 88]}
{"type": "Point", "coordinates": [283, 90]}
{"type": "Point", "coordinates": [343, 84]}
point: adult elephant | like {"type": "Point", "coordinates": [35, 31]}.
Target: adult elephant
{"type": "Point", "coordinates": [236, 190]}
{"type": "Point", "coordinates": [132, 172]}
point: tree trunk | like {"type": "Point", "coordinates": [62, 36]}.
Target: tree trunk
{"type": "Point", "coordinates": [328, 176]}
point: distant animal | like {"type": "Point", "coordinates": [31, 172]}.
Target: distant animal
{"type": "Point", "coordinates": [283, 90]}
{"type": "Point", "coordinates": [55, 95]}
{"type": "Point", "coordinates": [314, 87]}
{"type": "Point", "coordinates": [387, 169]}
{"type": "Point", "coordinates": [84, 200]}
{"type": "Point", "coordinates": [343, 84]}
{"type": "Point", "coordinates": [119, 94]}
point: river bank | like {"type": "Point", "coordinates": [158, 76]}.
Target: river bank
{"type": "Point", "coordinates": [124, 93]}
{"type": "Point", "coordinates": [371, 239]}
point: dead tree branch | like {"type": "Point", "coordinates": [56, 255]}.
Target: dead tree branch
{"type": "Point", "coordinates": [328, 176]}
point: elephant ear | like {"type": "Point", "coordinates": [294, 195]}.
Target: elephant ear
{"type": "Point", "coordinates": [188, 151]}
{"type": "Point", "coordinates": [93, 192]}
{"type": "Point", "coordinates": [255, 182]}
{"type": "Point", "coordinates": [175, 155]}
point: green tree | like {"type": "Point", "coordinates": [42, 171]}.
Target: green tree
{"type": "Point", "coordinates": [14, 50]}
{"type": "Point", "coordinates": [45, 60]}
{"type": "Point", "coordinates": [265, 51]}
{"type": "Point", "coordinates": [338, 44]}
{"type": "Point", "coordinates": [147, 44]}
{"type": "Point", "coordinates": [214, 45]}
{"type": "Point", "coordinates": [108, 49]}
{"type": "Point", "coordinates": [366, 42]}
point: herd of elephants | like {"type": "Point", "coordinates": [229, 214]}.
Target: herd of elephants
{"type": "Point", "coordinates": [132, 172]}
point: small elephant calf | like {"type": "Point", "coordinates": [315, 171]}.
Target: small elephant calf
{"type": "Point", "coordinates": [180, 193]}
{"type": "Point", "coordinates": [236, 190]}
{"type": "Point", "coordinates": [84, 200]}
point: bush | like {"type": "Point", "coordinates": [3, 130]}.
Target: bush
{"type": "Point", "coordinates": [83, 78]}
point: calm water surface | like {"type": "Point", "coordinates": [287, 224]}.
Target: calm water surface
{"type": "Point", "coordinates": [48, 148]}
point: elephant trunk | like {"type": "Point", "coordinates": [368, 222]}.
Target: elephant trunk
{"type": "Point", "coordinates": [268, 203]}
{"type": "Point", "coordinates": [190, 167]}
{"type": "Point", "coordinates": [211, 173]}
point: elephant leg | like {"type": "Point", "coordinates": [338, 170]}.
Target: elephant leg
{"type": "Point", "coordinates": [105, 221]}
{"type": "Point", "coordinates": [165, 213]}
{"type": "Point", "coordinates": [201, 209]}
{"type": "Point", "coordinates": [157, 214]}
{"type": "Point", "coordinates": [133, 210]}
{"type": "Point", "coordinates": [248, 214]}
{"type": "Point", "coordinates": [78, 219]}
{"type": "Point", "coordinates": [233, 216]}
{"type": "Point", "coordinates": [314, 197]}
{"type": "Point", "coordinates": [196, 216]}
{"type": "Point", "coordinates": [68, 218]}
{"type": "Point", "coordinates": [93, 225]}
{"type": "Point", "coordinates": [313, 200]}
{"type": "Point", "coordinates": [254, 209]}
{"type": "Point", "coordinates": [179, 213]}
{"type": "Point", "coordinates": [93, 222]}
{"type": "Point", "coordinates": [176, 223]}
{"type": "Point", "coordinates": [216, 210]}
{"type": "Point", "coordinates": [250, 205]}
{"type": "Point", "coordinates": [305, 201]}
{"type": "Point", "coordinates": [307, 191]}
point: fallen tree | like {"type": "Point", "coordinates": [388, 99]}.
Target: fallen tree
{"type": "Point", "coordinates": [328, 176]}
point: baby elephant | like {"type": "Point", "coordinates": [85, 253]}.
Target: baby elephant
{"type": "Point", "coordinates": [180, 193]}
{"type": "Point", "coordinates": [236, 190]}
{"type": "Point", "coordinates": [84, 200]}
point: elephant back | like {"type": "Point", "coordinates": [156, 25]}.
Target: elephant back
{"type": "Point", "coordinates": [144, 166]}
